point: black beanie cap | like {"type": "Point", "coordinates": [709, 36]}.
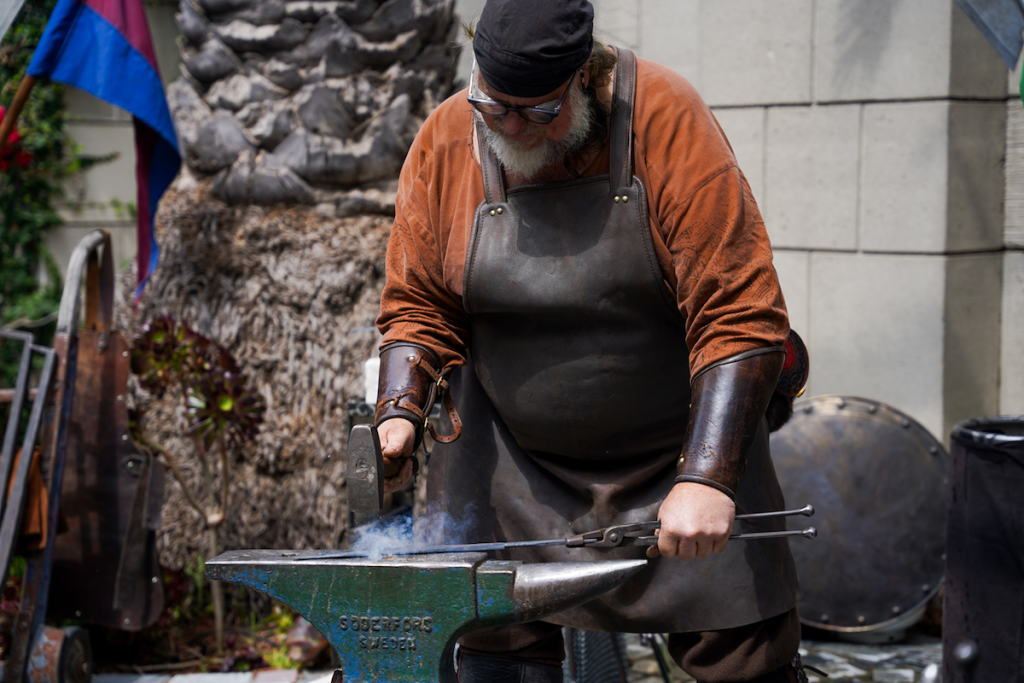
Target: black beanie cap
{"type": "Point", "coordinates": [528, 48]}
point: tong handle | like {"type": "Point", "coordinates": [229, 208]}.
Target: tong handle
{"type": "Point", "coordinates": [809, 532]}
{"type": "Point", "coordinates": [806, 511]}
{"type": "Point", "coordinates": [628, 534]}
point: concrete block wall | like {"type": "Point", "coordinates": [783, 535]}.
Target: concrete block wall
{"type": "Point", "coordinates": [1011, 388]}
{"type": "Point", "coordinates": [873, 134]}
{"type": "Point", "coordinates": [883, 191]}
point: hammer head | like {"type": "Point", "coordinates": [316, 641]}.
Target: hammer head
{"type": "Point", "coordinates": [365, 480]}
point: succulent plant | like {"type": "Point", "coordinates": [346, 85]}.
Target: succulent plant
{"type": "Point", "coordinates": [221, 402]}
{"type": "Point", "coordinates": [218, 397]}
{"type": "Point", "coordinates": [202, 357]}
{"type": "Point", "coordinates": [223, 411]}
{"type": "Point", "coordinates": [136, 425]}
{"type": "Point", "coordinates": [165, 352]}
{"type": "Point", "coordinates": [156, 355]}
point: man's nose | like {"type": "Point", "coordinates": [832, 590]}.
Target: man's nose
{"type": "Point", "coordinates": [515, 123]}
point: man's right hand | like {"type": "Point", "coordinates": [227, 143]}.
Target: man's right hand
{"type": "Point", "coordinates": [696, 520]}
{"type": "Point", "coordinates": [397, 438]}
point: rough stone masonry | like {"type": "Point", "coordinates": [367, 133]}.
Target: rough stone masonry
{"type": "Point", "coordinates": [306, 101]}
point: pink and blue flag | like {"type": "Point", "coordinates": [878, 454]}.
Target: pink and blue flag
{"type": "Point", "coordinates": [104, 47]}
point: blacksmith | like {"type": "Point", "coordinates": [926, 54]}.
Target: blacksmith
{"type": "Point", "coordinates": [574, 239]}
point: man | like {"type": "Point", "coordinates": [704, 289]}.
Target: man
{"type": "Point", "coordinates": [574, 238]}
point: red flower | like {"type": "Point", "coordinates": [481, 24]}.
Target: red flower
{"type": "Point", "coordinates": [8, 152]}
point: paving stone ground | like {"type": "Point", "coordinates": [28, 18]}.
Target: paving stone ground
{"type": "Point", "coordinates": [916, 660]}
{"type": "Point", "coordinates": [264, 676]}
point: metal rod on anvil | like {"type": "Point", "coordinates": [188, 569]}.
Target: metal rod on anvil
{"type": "Point", "coordinates": [435, 549]}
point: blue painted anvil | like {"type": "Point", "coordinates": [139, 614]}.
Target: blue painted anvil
{"type": "Point", "coordinates": [397, 619]}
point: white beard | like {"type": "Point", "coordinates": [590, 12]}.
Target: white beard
{"type": "Point", "coordinates": [523, 161]}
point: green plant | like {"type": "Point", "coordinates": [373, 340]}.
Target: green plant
{"type": "Point", "coordinates": [33, 161]}
{"type": "Point", "coordinates": [28, 188]}
{"type": "Point", "coordinates": [197, 573]}
{"type": "Point", "coordinates": [224, 412]}
{"type": "Point", "coordinates": [278, 658]}
{"type": "Point", "coordinates": [123, 209]}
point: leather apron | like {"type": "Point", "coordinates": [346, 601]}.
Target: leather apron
{"type": "Point", "coordinates": [575, 400]}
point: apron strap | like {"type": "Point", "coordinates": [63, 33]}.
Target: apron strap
{"type": "Point", "coordinates": [494, 183]}
{"type": "Point", "coordinates": [620, 164]}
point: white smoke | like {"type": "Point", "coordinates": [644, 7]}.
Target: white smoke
{"type": "Point", "coordinates": [436, 527]}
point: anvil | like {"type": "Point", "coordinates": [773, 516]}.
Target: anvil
{"type": "Point", "coordinates": [397, 619]}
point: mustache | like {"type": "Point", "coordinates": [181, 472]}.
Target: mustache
{"type": "Point", "coordinates": [527, 157]}
{"type": "Point", "coordinates": [528, 128]}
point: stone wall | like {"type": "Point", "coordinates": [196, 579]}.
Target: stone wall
{"type": "Point", "coordinates": [307, 102]}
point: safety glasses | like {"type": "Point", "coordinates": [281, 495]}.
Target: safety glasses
{"type": "Point", "coordinates": [541, 114]}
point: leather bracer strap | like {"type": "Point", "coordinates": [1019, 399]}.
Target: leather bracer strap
{"type": "Point", "coordinates": [408, 385]}
{"type": "Point", "coordinates": [729, 400]}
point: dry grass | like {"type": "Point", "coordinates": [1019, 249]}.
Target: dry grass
{"type": "Point", "coordinates": [293, 294]}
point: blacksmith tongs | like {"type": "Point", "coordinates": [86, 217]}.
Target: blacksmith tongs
{"type": "Point", "coordinates": [639, 533]}
{"type": "Point", "coordinates": [609, 537]}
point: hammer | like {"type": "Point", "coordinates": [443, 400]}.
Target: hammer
{"type": "Point", "coordinates": [365, 481]}
{"type": "Point", "coordinates": [397, 619]}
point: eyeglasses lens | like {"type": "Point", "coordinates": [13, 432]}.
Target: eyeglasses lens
{"type": "Point", "coordinates": [491, 108]}
{"type": "Point", "coordinates": [539, 115]}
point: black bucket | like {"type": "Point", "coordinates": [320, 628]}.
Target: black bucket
{"type": "Point", "coordinates": [983, 616]}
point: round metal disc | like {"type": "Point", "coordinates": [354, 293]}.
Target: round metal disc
{"type": "Point", "coordinates": [876, 480]}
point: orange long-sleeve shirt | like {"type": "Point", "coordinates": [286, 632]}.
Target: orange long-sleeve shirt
{"type": "Point", "coordinates": [711, 242]}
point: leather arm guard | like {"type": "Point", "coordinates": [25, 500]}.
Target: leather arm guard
{"type": "Point", "coordinates": [408, 384]}
{"type": "Point", "coordinates": [729, 400]}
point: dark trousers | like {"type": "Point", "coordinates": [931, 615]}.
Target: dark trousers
{"type": "Point", "coordinates": [731, 655]}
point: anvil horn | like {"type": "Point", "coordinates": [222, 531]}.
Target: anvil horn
{"type": "Point", "coordinates": [541, 590]}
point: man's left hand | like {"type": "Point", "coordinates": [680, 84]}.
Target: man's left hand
{"type": "Point", "coordinates": [696, 520]}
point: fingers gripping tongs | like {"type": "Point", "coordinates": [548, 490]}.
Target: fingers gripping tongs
{"type": "Point", "coordinates": [641, 533]}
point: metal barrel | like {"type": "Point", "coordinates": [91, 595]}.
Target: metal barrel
{"type": "Point", "coordinates": [982, 637]}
